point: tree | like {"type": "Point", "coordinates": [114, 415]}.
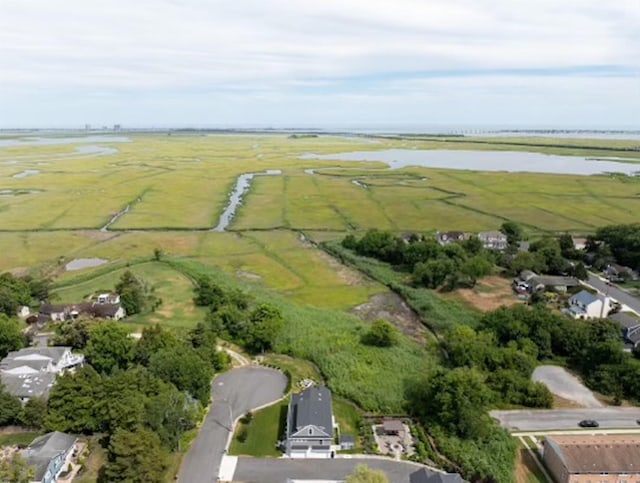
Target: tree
{"type": "Point", "coordinates": [34, 412]}
{"type": "Point", "coordinates": [135, 457]}
{"type": "Point", "coordinates": [135, 294]}
{"type": "Point", "coordinates": [475, 267]}
{"type": "Point", "coordinates": [185, 370]}
{"type": "Point", "coordinates": [11, 337]}
{"type": "Point", "coordinates": [153, 340]}
{"type": "Point", "coordinates": [14, 292]}
{"type": "Point", "coordinates": [265, 323]}
{"type": "Point", "coordinates": [473, 245]}
{"type": "Point", "coordinates": [72, 402]}
{"type": "Point", "coordinates": [364, 474]}
{"type": "Point", "coordinates": [110, 346]}
{"type": "Point", "coordinates": [208, 294]}
{"type": "Point", "coordinates": [513, 231]}
{"type": "Point", "coordinates": [381, 334]}
{"type": "Point", "coordinates": [10, 408]}
{"type": "Point", "coordinates": [527, 261]}
{"type": "Point", "coordinates": [433, 273]}
{"type": "Point", "coordinates": [169, 414]}
{"type": "Point", "coordinates": [74, 333]}
{"type": "Point", "coordinates": [157, 254]}
{"type": "Point", "coordinates": [16, 470]}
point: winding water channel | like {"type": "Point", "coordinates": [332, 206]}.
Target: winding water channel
{"type": "Point", "coordinates": [235, 200]}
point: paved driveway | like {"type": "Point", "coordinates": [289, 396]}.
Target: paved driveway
{"type": "Point", "coordinates": [234, 393]}
{"type": "Point", "coordinates": [265, 470]}
{"type": "Point", "coordinates": [614, 292]}
{"type": "Point", "coordinates": [550, 419]}
{"type": "Point", "coordinates": [566, 385]}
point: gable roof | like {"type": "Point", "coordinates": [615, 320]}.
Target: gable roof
{"type": "Point", "coordinates": [28, 385]}
{"type": "Point", "coordinates": [312, 407]}
{"type": "Point", "coordinates": [584, 297]}
{"type": "Point", "coordinates": [596, 454]}
{"type": "Point", "coordinates": [35, 358]}
{"type": "Point", "coordinates": [43, 449]}
{"type": "Point", "coordinates": [625, 320]}
{"type": "Point", "coordinates": [425, 476]}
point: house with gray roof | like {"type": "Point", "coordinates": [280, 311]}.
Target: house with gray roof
{"type": "Point", "coordinates": [31, 372]}
{"type": "Point", "coordinates": [49, 455]}
{"type": "Point", "coordinates": [428, 476]}
{"type": "Point", "coordinates": [493, 240]}
{"type": "Point", "coordinates": [585, 305]}
{"type": "Point", "coordinates": [630, 325]}
{"type": "Point", "coordinates": [310, 424]}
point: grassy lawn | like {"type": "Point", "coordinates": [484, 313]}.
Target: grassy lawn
{"type": "Point", "coordinates": [262, 433]}
{"type": "Point", "coordinates": [174, 288]}
{"type": "Point", "coordinates": [348, 418]}
{"type": "Point", "coordinates": [18, 439]}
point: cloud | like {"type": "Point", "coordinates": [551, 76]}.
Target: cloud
{"type": "Point", "coordinates": [288, 48]}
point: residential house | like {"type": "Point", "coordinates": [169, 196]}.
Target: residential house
{"type": "Point", "coordinates": [32, 372]}
{"type": "Point", "coordinates": [107, 306]}
{"type": "Point", "coordinates": [630, 325]}
{"type": "Point", "coordinates": [424, 475]}
{"type": "Point", "coordinates": [531, 282]}
{"type": "Point", "coordinates": [493, 240]}
{"type": "Point", "coordinates": [579, 243]}
{"type": "Point", "coordinates": [49, 455]}
{"type": "Point", "coordinates": [593, 458]}
{"type": "Point", "coordinates": [620, 273]}
{"type": "Point", "coordinates": [310, 424]}
{"type": "Point", "coordinates": [585, 305]}
{"type": "Point", "coordinates": [450, 237]}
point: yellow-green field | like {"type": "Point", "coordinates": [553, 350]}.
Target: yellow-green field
{"type": "Point", "coordinates": [177, 186]}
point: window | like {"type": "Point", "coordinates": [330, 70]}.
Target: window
{"type": "Point", "coordinates": [310, 431]}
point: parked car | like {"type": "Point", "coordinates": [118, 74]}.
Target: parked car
{"type": "Point", "coordinates": [588, 423]}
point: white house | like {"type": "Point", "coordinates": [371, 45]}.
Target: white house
{"type": "Point", "coordinates": [310, 424]}
{"type": "Point", "coordinates": [31, 372]}
{"type": "Point", "coordinates": [585, 305]}
{"type": "Point", "coordinates": [493, 240]}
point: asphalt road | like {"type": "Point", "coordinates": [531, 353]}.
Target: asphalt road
{"type": "Point", "coordinates": [550, 419]}
{"type": "Point", "coordinates": [234, 393]}
{"type": "Point", "coordinates": [614, 292]}
{"type": "Point", "coordinates": [263, 470]}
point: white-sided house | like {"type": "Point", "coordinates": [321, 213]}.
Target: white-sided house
{"type": "Point", "coordinates": [493, 240]}
{"type": "Point", "coordinates": [32, 360]}
{"type": "Point", "coordinates": [585, 305]}
{"type": "Point", "coordinates": [310, 424]}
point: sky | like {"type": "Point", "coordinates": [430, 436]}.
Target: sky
{"type": "Point", "coordinates": [320, 63]}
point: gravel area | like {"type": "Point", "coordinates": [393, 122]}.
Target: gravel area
{"type": "Point", "coordinates": [565, 385]}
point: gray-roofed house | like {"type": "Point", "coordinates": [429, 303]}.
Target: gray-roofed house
{"type": "Point", "coordinates": [31, 372]}
{"type": "Point", "coordinates": [585, 305]}
{"type": "Point", "coordinates": [49, 455]}
{"type": "Point", "coordinates": [427, 476]}
{"type": "Point", "coordinates": [33, 360]}
{"type": "Point", "coordinates": [630, 325]}
{"type": "Point", "coordinates": [310, 424]}
{"type": "Point", "coordinates": [27, 386]}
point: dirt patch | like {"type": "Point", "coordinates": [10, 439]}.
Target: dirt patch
{"type": "Point", "coordinates": [248, 275]}
{"type": "Point", "coordinates": [562, 403]}
{"type": "Point", "coordinates": [389, 306]}
{"type": "Point", "coordinates": [489, 294]}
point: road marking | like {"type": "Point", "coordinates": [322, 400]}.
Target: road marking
{"type": "Point", "coordinates": [227, 468]}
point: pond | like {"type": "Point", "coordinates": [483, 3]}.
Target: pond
{"type": "Point", "coordinates": [82, 263]}
{"type": "Point", "coordinates": [510, 161]}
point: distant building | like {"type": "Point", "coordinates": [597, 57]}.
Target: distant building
{"type": "Point", "coordinates": [630, 325]}
{"type": "Point", "coordinates": [450, 237]}
{"type": "Point", "coordinates": [593, 458]}
{"type": "Point", "coordinates": [620, 273]}
{"type": "Point", "coordinates": [493, 240]}
{"type": "Point", "coordinates": [49, 455]}
{"type": "Point", "coordinates": [106, 306]}
{"type": "Point", "coordinates": [428, 476]}
{"type": "Point", "coordinates": [310, 424]}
